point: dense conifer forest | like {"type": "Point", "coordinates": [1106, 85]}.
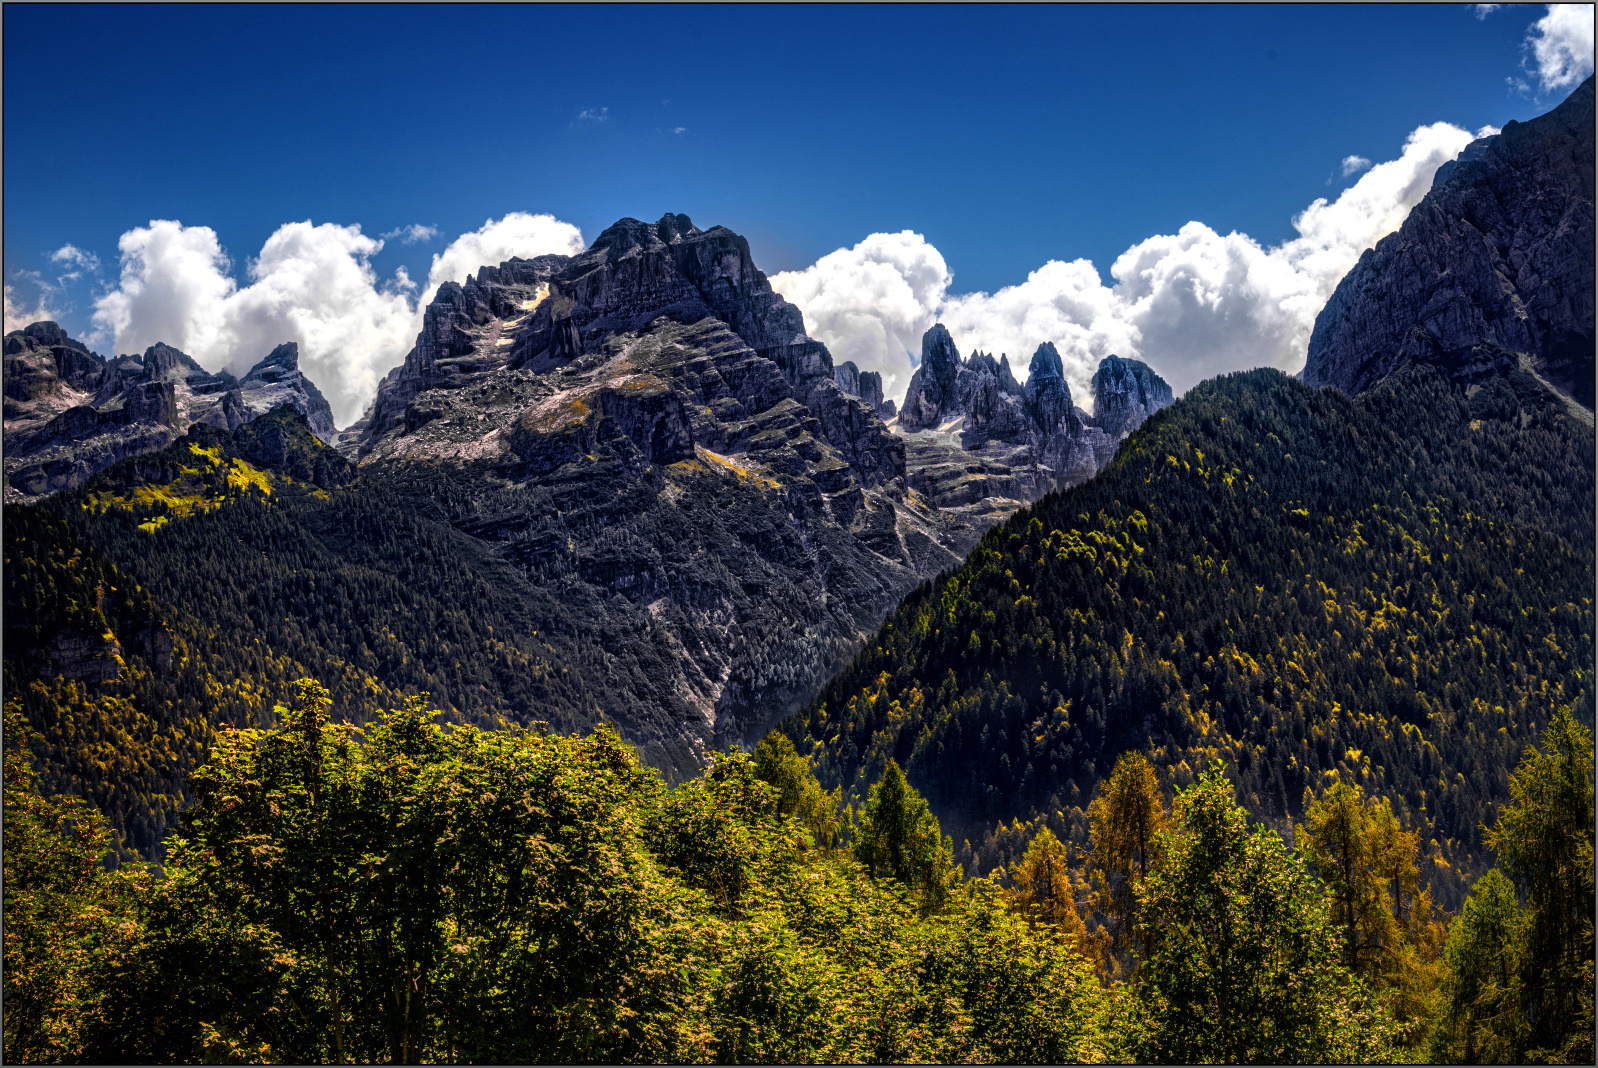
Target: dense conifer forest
{"type": "Point", "coordinates": [1393, 591]}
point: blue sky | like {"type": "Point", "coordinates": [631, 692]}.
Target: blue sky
{"type": "Point", "coordinates": [1006, 136]}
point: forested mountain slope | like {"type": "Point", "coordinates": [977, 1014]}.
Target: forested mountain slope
{"type": "Point", "coordinates": [1296, 582]}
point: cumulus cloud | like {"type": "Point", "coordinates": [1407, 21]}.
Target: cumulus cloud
{"type": "Point", "coordinates": [497, 240]}
{"type": "Point", "coordinates": [1354, 164]}
{"type": "Point", "coordinates": [1561, 43]}
{"type": "Point", "coordinates": [311, 284]}
{"type": "Point", "coordinates": [19, 313]}
{"type": "Point", "coordinates": [871, 303]}
{"type": "Point", "coordinates": [73, 256]}
{"type": "Point", "coordinates": [1483, 10]}
{"type": "Point", "coordinates": [593, 115]}
{"type": "Point", "coordinates": [1193, 304]}
{"type": "Point", "coordinates": [1488, 131]}
{"type": "Point", "coordinates": [412, 234]}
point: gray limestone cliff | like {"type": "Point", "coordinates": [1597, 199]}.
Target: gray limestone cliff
{"type": "Point", "coordinates": [867, 385]}
{"type": "Point", "coordinates": [1126, 392]}
{"type": "Point", "coordinates": [1034, 434]}
{"type": "Point", "coordinates": [595, 415]}
{"type": "Point", "coordinates": [70, 413]}
{"type": "Point", "coordinates": [1491, 273]}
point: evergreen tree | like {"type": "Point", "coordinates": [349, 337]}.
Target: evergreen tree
{"type": "Point", "coordinates": [899, 837]}
{"type": "Point", "coordinates": [1044, 891]}
{"type": "Point", "coordinates": [1124, 822]}
{"type": "Point", "coordinates": [1544, 841]}
{"type": "Point", "coordinates": [1479, 1021]}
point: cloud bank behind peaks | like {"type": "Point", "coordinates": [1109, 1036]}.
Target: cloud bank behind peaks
{"type": "Point", "coordinates": [1193, 304]}
{"type": "Point", "coordinates": [311, 284]}
{"type": "Point", "coordinates": [870, 303]}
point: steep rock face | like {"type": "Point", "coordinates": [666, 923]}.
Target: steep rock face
{"type": "Point", "coordinates": [654, 393]}
{"type": "Point", "coordinates": [1126, 392]}
{"type": "Point", "coordinates": [47, 372]}
{"type": "Point", "coordinates": [867, 385]}
{"type": "Point", "coordinates": [934, 390]}
{"type": "Point", "coordinates": [1491, 272]}
{"type": "Point", "coordinates": [1033, 433]}
{"type": "Point", "coordinates": [277, 380]}
{"type": "Point", "coordinates": [70, 413]}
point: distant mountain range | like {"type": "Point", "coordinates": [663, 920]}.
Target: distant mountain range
{"type": "Point", "coordinates": [70, 413]}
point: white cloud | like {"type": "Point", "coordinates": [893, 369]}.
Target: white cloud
{"type": "Point", "coordinates": [312, 284]}
{"type": "Point", "coordinates": [73, 256]}
{"type": "Point", "coordinates": [679, 129]}
{"type": "Point", "coordinates": [412, 234]}
{"type": "Point", "coordinates": [1561, 42]}
{"type": "Point", "coordinates": [497, 240]}
{"type": "Point", "coordinates": [871, 303]}
{"type": "Point", "coordinates": [1354, 164]}
{"type": "Point", "coordinates": [1193, 304]}
{"type": "Point", "coordinates": [1488, 131]}
{"type": "Point", "coordinates": [1483, 10]}
{"type": "Point", "coordinates": [593, 115]}
{"type": "Point", "coordinates": [19, 315]}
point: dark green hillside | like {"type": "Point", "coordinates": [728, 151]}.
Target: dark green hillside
{"type": "Point", "coordinates": [1297, 582]}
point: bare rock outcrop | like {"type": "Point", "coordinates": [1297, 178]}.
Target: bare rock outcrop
{"type": "Point", "coordinates": [70, 413]}
{"type": "Point", "coordinates": [1491, 273]}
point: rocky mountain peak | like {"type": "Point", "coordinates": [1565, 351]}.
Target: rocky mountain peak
{"type": "Point", "coordinates": [1126, 392]}
{"type": "Point", "coordinates": [1048, 395]}
{"type": "Point", "coordinates": [1490, 274]}
{"type": "Point", "coordinates": [933, 388]}
{"type": "Point", "coordinates": [50, 335]}
{"type": "Point", "coordinates": [673, 228]}
{"type": "Point", "coordinates": [1046, 362]}
{"type": "Point", "coordinates": [278, 365]}
{"type": "Point", "coordinates": [163, 363]}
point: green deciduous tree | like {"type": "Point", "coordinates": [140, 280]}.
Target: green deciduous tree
{"type": "Point", "coordinates": [463, 895]}
{"type": "Point", "coordinates": [1245, 964]}
{"type": "Point", "coordinates": [65, 914]}
{"type": "Point", "coordinates": [798, 793]}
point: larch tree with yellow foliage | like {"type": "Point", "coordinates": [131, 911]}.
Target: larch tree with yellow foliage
{"type": "Point", "coordinates": [1124, 822]}
{"type": "Point", "coordinates": [1044, 891]}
